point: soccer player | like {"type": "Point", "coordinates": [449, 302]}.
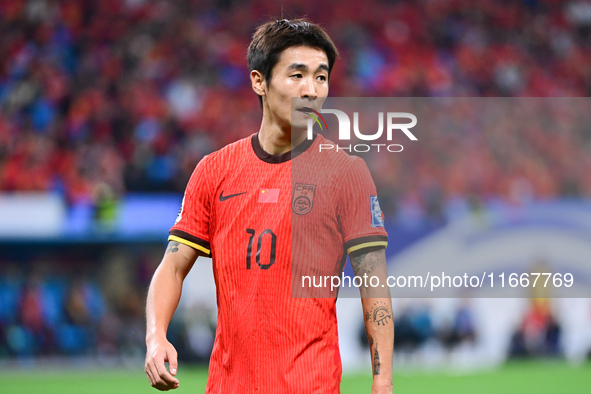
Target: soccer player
{"type": "Point", "coordinates": [269, 209]}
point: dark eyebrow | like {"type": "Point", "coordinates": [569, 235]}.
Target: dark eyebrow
{"type": "Point", "coordinates": [323, 67]}
{"type": "Point", "coordinates": [303, 67]}
{"type": "Point", "coordinates": [297, 66]}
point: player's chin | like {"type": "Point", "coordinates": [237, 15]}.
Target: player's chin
{"type": "Point", "coordinates": [299, 121]}
{"type": "Point", "coordinates": [298, 128]}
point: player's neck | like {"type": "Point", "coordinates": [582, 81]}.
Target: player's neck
{"type": "Point", "coordinates": [277, 141]}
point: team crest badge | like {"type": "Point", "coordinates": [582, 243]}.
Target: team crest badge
{"type": "Point", "coordinates": [303, 198]}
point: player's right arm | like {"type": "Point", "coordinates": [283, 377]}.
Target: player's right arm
{"type": "Point", "coordinates": [163, 298]}
{"type": "Point", "coordinates": [188, 239]}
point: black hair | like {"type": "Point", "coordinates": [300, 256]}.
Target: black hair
{"type": "Point", "coordinates": [272, 38]}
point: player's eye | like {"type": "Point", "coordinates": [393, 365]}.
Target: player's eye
{"type": "Point", "coordinates": [322, 78]}
{"type": "Point", "coordinates": [297, 75]}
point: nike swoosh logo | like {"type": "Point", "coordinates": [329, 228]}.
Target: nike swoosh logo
{"type": "Point", "coordinates": [224, 198]}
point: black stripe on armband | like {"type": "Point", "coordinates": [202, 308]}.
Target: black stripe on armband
{"type": "Point", "coordinates": [190, 240]}
{"type": "Point", "coordinates": [366, 242]}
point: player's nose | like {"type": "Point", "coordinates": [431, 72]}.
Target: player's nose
{"type": "Point", "coordinates": [308, 89]}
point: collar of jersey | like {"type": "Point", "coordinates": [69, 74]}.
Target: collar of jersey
{"type": "Point", "coordinates": [276, 159]}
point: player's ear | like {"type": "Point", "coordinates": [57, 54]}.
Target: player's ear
{"type": "Point", "coordinates": [258, 82]}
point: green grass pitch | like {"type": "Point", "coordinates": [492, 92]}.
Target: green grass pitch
{"type": "Point", "coordinates": [516, 377]}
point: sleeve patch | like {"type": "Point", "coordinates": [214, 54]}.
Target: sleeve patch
{"type": "Point", "coordinates": [180, 214]}
{"type": "Point", "coordinates": [377, 217]}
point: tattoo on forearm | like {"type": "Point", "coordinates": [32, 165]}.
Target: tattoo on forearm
{"type": "Point", "coordinates": [381, 313]}
{"type": "Point", "coordinates": [376, 361]}
{"type": "Point", "coordinates": [370, 340]}
{"type": "Point", "coordinates": [173, 247]}
{"type": "Point", "coordinates": [366, 316]}
{"type": "Point", "coordinates": [365, 262]}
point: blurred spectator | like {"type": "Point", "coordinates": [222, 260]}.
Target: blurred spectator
{"type": "Point", "coordinates": [105, 208]}
{"type": "Point", "coordinates": [462, 330]}
{"type": "Point", "coordinates": [539, 333]}
{"type": "Point", "coordinates": [32, 334]}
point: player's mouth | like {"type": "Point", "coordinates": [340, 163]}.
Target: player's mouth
{"type": "Point", "coordinates": [306, 110]}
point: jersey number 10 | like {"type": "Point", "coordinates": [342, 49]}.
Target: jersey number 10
{"type": "Point", "coordinates": [259, 247]}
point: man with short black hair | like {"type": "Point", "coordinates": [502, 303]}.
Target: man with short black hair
{"type": "Point", "coordinates": [260, 207]}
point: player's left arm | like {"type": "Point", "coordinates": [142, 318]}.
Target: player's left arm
{"type": "Point", "coordinates": [377, 313]}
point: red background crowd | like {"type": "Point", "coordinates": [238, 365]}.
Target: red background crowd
{"type": "Point", "coordinates": [129, 95]}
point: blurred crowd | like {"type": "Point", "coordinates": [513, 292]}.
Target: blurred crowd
{"type": "Point", "coordinates": [74, 304]}
{"type": "Point", "coordinates": [417, 327]}
{"type": "Point", "coordinates": [107, 97]}
{"type": "Point", "coordinates": [89, 304]}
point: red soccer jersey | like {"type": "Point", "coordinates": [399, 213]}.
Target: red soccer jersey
{"type": "Point", "coordinates": [259, 216]}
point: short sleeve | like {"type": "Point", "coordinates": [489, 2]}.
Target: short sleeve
{"type": "Point", "coordinates": [192, 223]}
{"type": "Point", "coordinates": [360, 217]}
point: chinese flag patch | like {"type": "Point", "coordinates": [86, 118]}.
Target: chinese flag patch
{"type": "Point", "coordinates": [268, 195]}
